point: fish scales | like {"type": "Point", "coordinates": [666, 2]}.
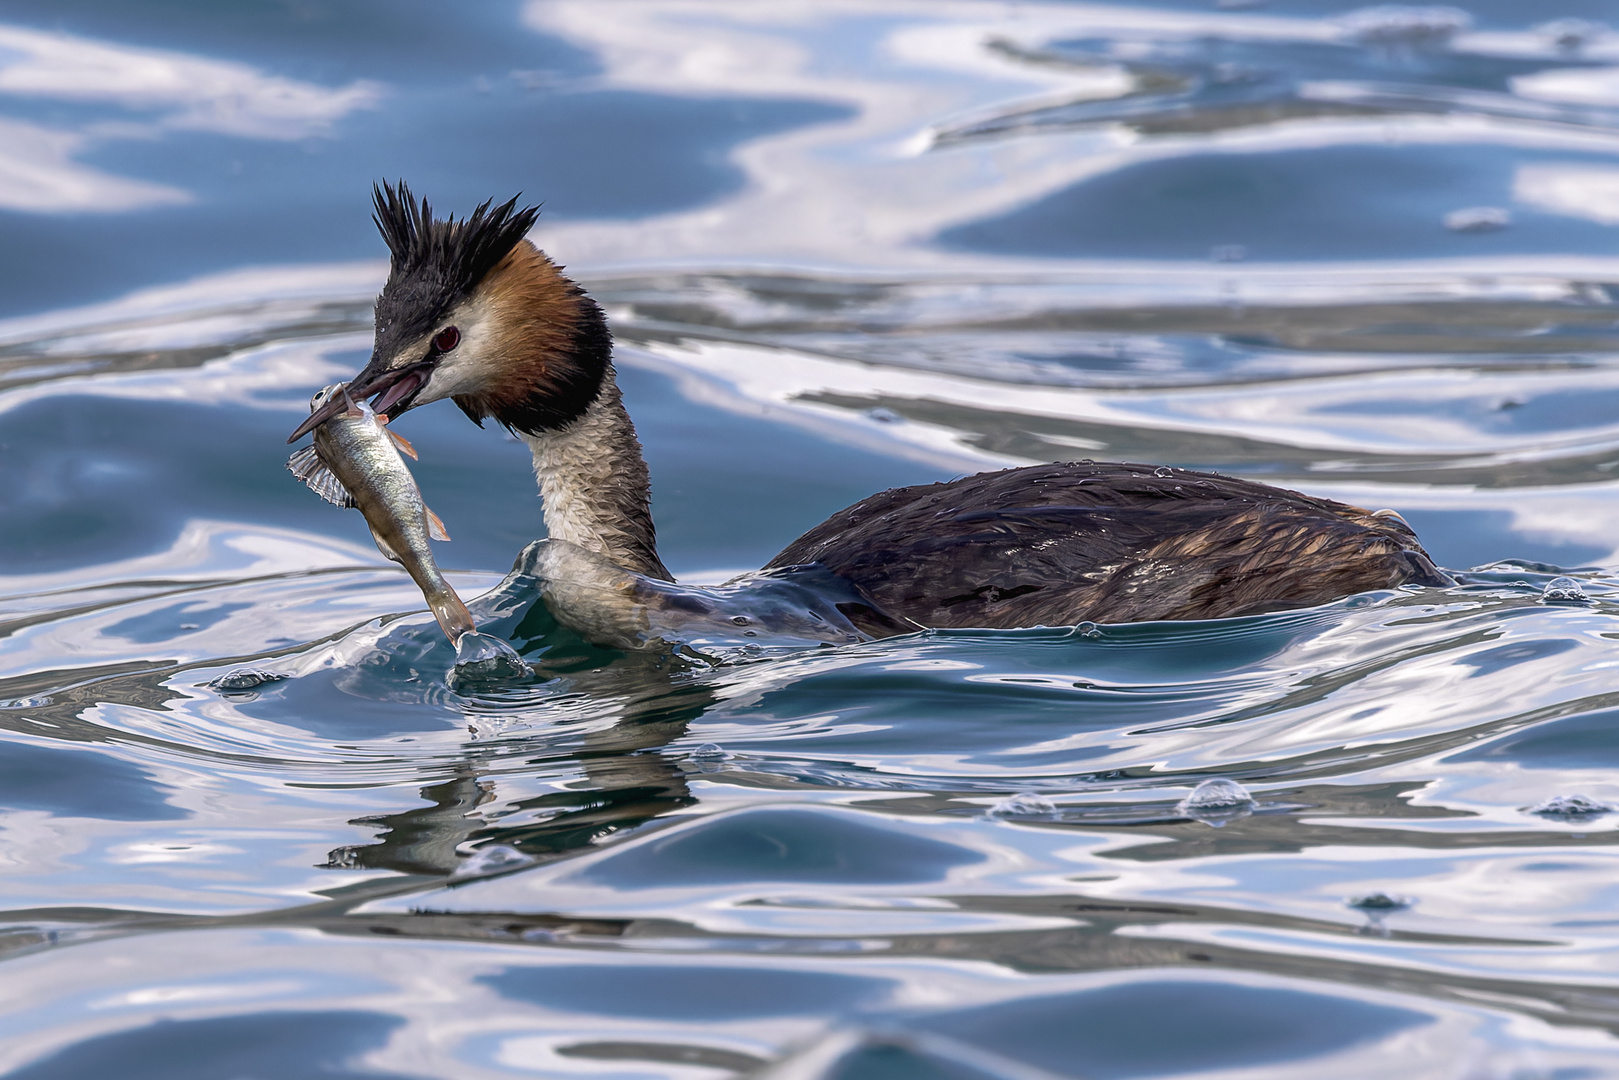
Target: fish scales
{"type": "Point", "coordinates": [355, 462]}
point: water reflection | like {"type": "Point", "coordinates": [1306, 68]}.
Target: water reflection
{"type": "Point", "coordinates": [151, 93]}
{"type": "Point", "coordinates": [843, 246]}
{"type": "Point", "coordinates": [271, 1045]}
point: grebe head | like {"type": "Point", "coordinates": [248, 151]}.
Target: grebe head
{"type": "Point", "coordinates": [474, 312]}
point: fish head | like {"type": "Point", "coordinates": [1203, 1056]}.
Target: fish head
{"type": "Point", "coordinates": [333, 401]}
{"type": "Point", "coordinates": [323, 395]}
{"type": "Point", "coordinates": [336, 395]}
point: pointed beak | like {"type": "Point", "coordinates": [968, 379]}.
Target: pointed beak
{"type": "Point", "coordinates": [394, 385]}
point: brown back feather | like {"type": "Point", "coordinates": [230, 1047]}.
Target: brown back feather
{"type": "Point", "coordinates": [1066, 543]}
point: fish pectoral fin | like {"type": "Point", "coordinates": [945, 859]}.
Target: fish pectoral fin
{"type": "Point", "coordinates": [303, 462]}
{"type": "Point", "coordinates": [383, 546]}
{"type": "Point", "coordinates": [402, 442]}
{"type": "Point", "coordinates": [435, 527]}
{"type": "Point", "coordinates": [307, 466]}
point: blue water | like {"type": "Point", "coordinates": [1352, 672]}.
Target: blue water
{"type": "Point", "coordinates": [843, 247]}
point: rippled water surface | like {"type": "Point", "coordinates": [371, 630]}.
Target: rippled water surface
{"type": "Point", "coordinates": [845, 245]}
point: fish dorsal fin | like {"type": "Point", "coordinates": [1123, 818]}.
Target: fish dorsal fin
{"type": "Point", "coordinates": [382, 546]}
{"type": "Point", "coordinates": [435, 527]}
{"type": "Point", "coordinates": [401, 442]}
{"type": "Point", "coordinates": [307, 466]}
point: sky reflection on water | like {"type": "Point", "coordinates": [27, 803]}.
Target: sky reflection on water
{"type": "Point", "coordinates": [844, 245]}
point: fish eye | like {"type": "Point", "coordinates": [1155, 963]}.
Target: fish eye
{"type": "Point", "coordinates": [448, 338]}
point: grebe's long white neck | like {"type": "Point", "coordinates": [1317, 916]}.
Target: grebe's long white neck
{"type": "Point", "coordinates": [594, 482]}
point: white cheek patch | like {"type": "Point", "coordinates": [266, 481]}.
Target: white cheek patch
{"type": "Point", "coordinates": [447, 380]}
{"type": "Point", "coordinates": [464, 369]}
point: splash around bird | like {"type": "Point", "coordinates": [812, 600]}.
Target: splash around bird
{"type": "Point", "coordinates": [355, 461]}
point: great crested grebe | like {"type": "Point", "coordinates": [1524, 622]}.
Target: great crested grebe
{"type": "Point", "coordinates": [474, 312]}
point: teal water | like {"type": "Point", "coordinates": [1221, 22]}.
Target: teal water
{"type": "Point", "coordinates": [1367, 253]}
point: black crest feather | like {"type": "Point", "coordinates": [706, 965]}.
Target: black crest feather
{"type": "Point", "coordinates": [436, 263]}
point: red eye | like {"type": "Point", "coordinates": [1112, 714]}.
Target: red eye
{"type": "Point", "coordinates": [448, 338]}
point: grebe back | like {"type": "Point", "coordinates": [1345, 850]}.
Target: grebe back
{"type": "Point", "coordinates": [474, 312]}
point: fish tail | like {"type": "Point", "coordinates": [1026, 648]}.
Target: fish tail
{"type": "Point", "coordinates": [452, 615]}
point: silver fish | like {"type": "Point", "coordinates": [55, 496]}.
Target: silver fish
{"type": "Point", "coordinates": [354, 462]}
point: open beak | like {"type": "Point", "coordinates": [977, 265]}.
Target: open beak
{"type": "Point", "coordinates": [394, 385]}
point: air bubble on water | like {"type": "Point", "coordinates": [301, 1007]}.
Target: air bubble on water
{"type": "Point", "coordinates": [1592, 293]}
{"type": "Point", "coordinates": [1398, 26]}
{"type": "Point", "coordinates": [1379, 903]}
{"type": "Point", "coordinates": [884, 415]}
{"type": "Point", "coordinates": [1023, 804]}
{"type": "Point", "coordinates": [493, 859]}
{"type": "Point", "coordinates": [239, 679]}
{"type": "Point", "coordinates": [1216, 802]}
{"type": "Point", "coordinates": [1216, 794]}
{"type": "Point", "coordinates": [1478, 219]}
{"type": "Point", "coordinates": [1232, 74]}
{"type": "Point", "coordinates": [1088, 630]}
{"type": "Point", "coordinates": [710, 751]}
{"type": "Point", "coordinates": [1572, 807]}
{"type": "Point", "coordinates": [343, 858]}
{"type": "Point", "coordinates": [1163, 471]}
{"type": "Point", "coordinates": [1572, 35]}
{"type": "Point", "coordinates": [1563, 590]}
